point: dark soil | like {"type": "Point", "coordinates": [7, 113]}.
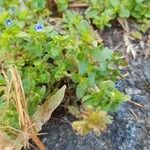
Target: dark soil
{"type": "Point", "coordinates": [130, 129]}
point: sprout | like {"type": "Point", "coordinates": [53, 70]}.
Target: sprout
{"type": "Point", "coordinates": [39, 27]}
{"type": "Point", "coordinates": [9, 22]}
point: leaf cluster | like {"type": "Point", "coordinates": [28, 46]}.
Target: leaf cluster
{"type": "Point", "coordinates": [95, 120]}
{"type": "Point", "coordinates": [103, 11]}
{"type": "Point", "coordinates": [44, 57]}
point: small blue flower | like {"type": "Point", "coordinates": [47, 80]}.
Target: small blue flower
{"type": "Point", "coordinates": [9, 22]}
{"type": "Point", "coordinates": [39, 27]}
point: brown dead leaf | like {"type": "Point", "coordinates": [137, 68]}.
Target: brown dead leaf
{"type": "Point", "coordinates": [44, 112]}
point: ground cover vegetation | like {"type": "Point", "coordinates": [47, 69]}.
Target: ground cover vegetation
{"type": "Point", "coordinates": [36, 58]}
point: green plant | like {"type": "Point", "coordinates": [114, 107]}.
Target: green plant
{"type": "Point", "coordinates": [102, 12]}
{"type": "Point", "coordinates": [62, 5]}
{"type": "Point", "coordinates": [107, 97]}
{"type": "Point", "coordinates": [44, 57]}
{"type": "Point", "coordinates": [95, 120]}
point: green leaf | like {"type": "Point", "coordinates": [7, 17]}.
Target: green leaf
{"type": "Point", "coordinates": [124, 12]}
{"type": "Point", "coordinates": [91, 78]}
{"type": "Point", "coordinates": [47, 29]}
{"type": "Point", "coordinates": [83, 65]}
{"type": "Point", "coordinates": [108, 98]}
{"type": "Point", "coordinates": [81, 89]}
{"type": "Point", "coordinates": [28, 84]}
{"type": "Point", "coordinates": [147, 14]}
{"type": "Point", "coordinates": [62, 5]}
{"type": "Point", "coordinates": [2, 80]}
{"type": "Point", "coordinates": [139, 1]}
{"type": "Point", "coordinates": [22, 34]}
{"type": "Point", "coordinates": [35, 49]}
{"type": "Point", "coordinates": [44, 77]}
{"type": "Point", "coordinates": [39, 4]}
{"type": "Point", "coordinates": [91, 13]}
{"type": "Point", "coordinates": [115, 3]}
{"type": "Point", "coordinates": [136, 15]}
{"type": "Point", "coordinates": [87, 97]}
{"type": "Point", "coordinates": [103, 56]}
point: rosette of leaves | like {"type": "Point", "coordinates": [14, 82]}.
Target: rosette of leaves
{"type": "Point", "coordinates": [92, 120]}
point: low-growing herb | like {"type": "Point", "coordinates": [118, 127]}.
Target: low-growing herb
{"type": "Point", "coordinates": [45, 57]}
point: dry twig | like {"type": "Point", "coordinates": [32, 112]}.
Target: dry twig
{"type": "Point", "coordinates": [135, 103]}
{"type": "Point", "coordinates": [78, 5]}
{"type": "Point", "coordinates": [133, 113]}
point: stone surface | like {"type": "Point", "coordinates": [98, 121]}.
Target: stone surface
{"type": "Point", "coordinates": [130, 129]}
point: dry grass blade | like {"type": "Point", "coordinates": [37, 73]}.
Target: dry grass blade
{"type": "Point", "coordinates": [78, 5]}
{"type": "Point", "coordinates": [5, 142]}
{"type": "Point", "coordinates": [133, 113]}
{"type": "Point", "coordinates": [21, 106]}
{"type": "Point", "coordinates": [124, 24]}
{"type": "Point", "coordinates": [127, 37]}
{"type": "Point", "coordinates": [15, 92]}
{"type": "Point", "coordinates": [20, 101]}
{"type": "Point", "coordinates": [129, 45]}
{"type": "Point", "coordinates": [136, 104]}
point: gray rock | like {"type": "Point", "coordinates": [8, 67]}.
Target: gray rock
{"type": "Point", "coordinates": [146, 69]}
